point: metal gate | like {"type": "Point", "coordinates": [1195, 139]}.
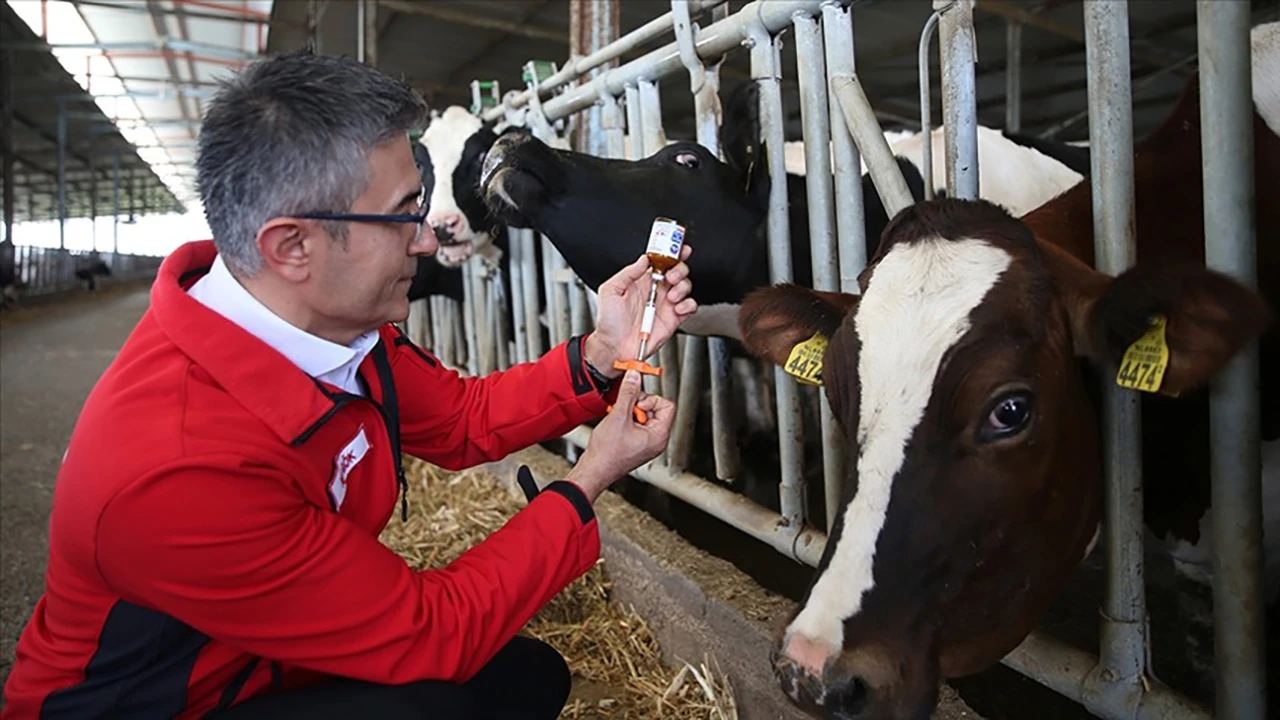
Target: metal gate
{"type": "Point", "coordinates": [839, 126]}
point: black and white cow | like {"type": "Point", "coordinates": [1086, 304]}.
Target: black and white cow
{"type": "Point", "coordinates": [598, 211]}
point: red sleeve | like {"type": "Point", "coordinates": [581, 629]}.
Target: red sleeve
{"type": "Point", "coordinates": [457, 422]}
{"type": "Point", "coordinates": [230, 548]}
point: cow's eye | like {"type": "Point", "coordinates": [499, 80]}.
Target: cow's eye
{"type": "Point", "coordinates": [1008, 415]}
{"type": "Point", "coordinates": [687, 159]}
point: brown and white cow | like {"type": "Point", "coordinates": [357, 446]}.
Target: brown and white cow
{"type": "Point", "coordinates": [965, 376]}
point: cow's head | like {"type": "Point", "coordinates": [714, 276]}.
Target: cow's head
{"type": "Point", "coordinates": [598, 212]}
{"type": "Point", "coordinates": [956, 375]}
{"type": "Point", "coordinates": [449, 157]}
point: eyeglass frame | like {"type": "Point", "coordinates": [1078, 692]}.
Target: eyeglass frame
{"type": "Point", "coordinates": [419, 219]}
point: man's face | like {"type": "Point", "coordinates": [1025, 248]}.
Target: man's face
{"type": "Point", "coordinates": [362, 283]}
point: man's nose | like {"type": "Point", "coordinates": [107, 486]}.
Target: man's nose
{"type": "Point", "coordinates": [425, 242]}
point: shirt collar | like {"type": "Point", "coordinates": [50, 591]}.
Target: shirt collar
{"type": "Point", "coordinates": [221, 292]}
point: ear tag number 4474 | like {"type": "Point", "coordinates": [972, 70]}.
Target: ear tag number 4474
{"type": "Point", "coordinates": [805, 361]}
{"type": "Point", "coordinates": [1143, 365]}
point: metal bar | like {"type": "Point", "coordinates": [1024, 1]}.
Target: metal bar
{"type": "Point", "coordinates": [650, 141]}
{"type": "Point", "coordinates": [370, 28]}
{"type": "Point", "coordinates": [614, 127]}
{"type": "Point", "coordinates": [791, 539]}
{"type": "Point", "coordinates": [315, 14]}
{"type": "Point", "coordinates": [632, 94]}
{"type": "Point", "coordinates": [1013, 76]}
{"type": "Point", "coordinates": [6, 135]}
{"type": "Point", "coordinates": [959, 97]}
{"type": "Point", "coordinates": [704, 84]}
{"type": "Point", "coordinates": [529, 283]}
{"type": "Point", "coordinates": [692, 369]}
{"type": "Point", "coordinates": [1066, 670]}
{"type": "Point", "coordinates": [469, 319]}
{"type": "Point", "coordinates": [577, 67]}
{"type": "Point", "coordinates": [862, 124]}
{"type": "Point", "coordinates": [1226, 121]}
{"type": "Point", "coordinates": [93, 203]}
{"type": "Point", "coordinates": [1115, 685]}
{"type": "Point", "coordinates": [713, 41]}
{"type": "Point", "coordinates": [62, 176]}
{"type": "Point", "coordinates": [815, 119]}
{"type": "Point", "coordinates": [360, 32]}
{"type": "Point", "coordinates": [837, 27]}
{"type": "Point", "coordinates": [766, 70]}
{"type": "Point", "coordinates": [514, 266]}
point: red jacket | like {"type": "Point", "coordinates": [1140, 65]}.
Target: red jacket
{"type": "Point", "coordinates": [215, 522]}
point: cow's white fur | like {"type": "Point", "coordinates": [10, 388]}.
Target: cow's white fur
{"type": "Point", "coordinates": [916, 308]}
{"type": "Point", "coordinates": [1265, 40]}
{"type": "Point", "coordinates": [444, 139]}
{"type": "Point", "coordinates": [1014, 176]}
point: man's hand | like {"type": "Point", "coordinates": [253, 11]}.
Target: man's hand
{"type": "Point", "coordinates": [622, 298]}
{"type": "Point", "coordinates": [619, 444]}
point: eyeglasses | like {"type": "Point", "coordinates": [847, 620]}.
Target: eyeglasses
{"type": "Point", "coordinates": [416, 218]}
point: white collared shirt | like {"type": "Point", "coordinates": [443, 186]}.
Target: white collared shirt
{"type": "Point", "coordinates": [317, 357]}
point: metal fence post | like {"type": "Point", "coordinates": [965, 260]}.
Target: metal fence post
{"type": "Point", "coordinates": [959, 97]}
{"type": "Point", "coordinates": [1226, 122]}
{"type": "Point", "coordinates": [62, 175]}
{"type": "Point", "coordinates": [704, 84]}
{"type": "Point", "coordinates": [1115, 685]}
{"type": "Point", "coordinates": [766, 70]}
{"type": "Point", "coordinates": [1013, 77]}
{"type": "Point", "coordinates": [837, 28]}
{"type": "Point", "coordinates": [816, 126]}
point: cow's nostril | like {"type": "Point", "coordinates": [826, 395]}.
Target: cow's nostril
{"type": "Point", "coordinates": [849, 699]}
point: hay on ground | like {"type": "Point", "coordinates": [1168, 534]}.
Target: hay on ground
{"type": "Point", "coordinates": [614, 657]}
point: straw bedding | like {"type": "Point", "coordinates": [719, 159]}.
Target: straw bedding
{"type": "Point", "coordinates": [614, 657]}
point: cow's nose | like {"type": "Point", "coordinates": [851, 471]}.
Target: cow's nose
{"type": "Point", "coordinates": [447, 227]}
{"type": "Point", "coordinates": [848, 698]}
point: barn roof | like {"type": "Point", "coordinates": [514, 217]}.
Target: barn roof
{"type": "Point", "coordinates": [150, 64]}
{"type": "Point", "coordinates": [440, 47]}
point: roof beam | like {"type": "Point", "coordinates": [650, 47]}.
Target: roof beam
{"type": "Point", "coordinates": [488, 48]}
{"type": "Point", "coordinates": [461, 17]}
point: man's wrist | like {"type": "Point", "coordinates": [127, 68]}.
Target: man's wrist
{"type": "Point", "coordinates": [591, 488]}
{"type": "Point", "coordinates": [599, 357]}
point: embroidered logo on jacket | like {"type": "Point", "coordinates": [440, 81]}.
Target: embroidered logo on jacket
{"type": "Point", "coordinates": [353, 453]}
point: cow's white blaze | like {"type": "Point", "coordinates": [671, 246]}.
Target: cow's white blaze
{"type": "Point", "coordinates": [916, 307]}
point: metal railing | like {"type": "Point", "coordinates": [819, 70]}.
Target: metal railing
{"type": "Point", "coordinates": [38, 271]}
{"type": "Point", "coordinates": [839, 127]}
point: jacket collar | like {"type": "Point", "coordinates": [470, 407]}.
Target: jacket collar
{"type": "Point", "coordinates": [260, 378]}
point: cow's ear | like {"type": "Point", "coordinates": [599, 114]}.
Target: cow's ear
{"type": "Point", "coordinates": [774, 320]}
{"type": "Point", "coordinates": [1166, 329]}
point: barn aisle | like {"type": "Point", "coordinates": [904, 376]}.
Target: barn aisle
{"type": "Point", "coordinates": [50, 357]}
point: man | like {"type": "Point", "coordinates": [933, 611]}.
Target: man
{"type": "Point", "coordinates": [213, 544]}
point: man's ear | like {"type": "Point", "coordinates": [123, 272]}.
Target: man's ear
{"type": "Point", "coordinates": [285, 245]}
{"type": "Point", "coordinates": [1209, 318]}
{"type": "Point", "coordinates": [774, 320]}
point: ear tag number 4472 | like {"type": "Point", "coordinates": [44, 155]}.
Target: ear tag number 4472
{"type": "Point", "coordinates": [805, 361]}
{"type": "Point", "coordinates": [1143, 365]}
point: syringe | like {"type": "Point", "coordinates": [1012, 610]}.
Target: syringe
{"type": "Point", "coordinates": [666, 239]}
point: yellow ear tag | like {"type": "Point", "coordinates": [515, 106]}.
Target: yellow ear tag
{"type": "Point", "coordinates": [805, 361]}
{"type": "Point", "coordinates": [1143, 365]}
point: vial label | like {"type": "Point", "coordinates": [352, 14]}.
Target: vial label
{"type": "Point", "coordinates": [665, 238]}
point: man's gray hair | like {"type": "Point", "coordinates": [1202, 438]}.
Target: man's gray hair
{"type": "Point", "coordinates": [290, 135]}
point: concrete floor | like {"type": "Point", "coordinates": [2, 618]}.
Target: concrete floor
{"type": "Point", "coordinates": [50, 357]}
